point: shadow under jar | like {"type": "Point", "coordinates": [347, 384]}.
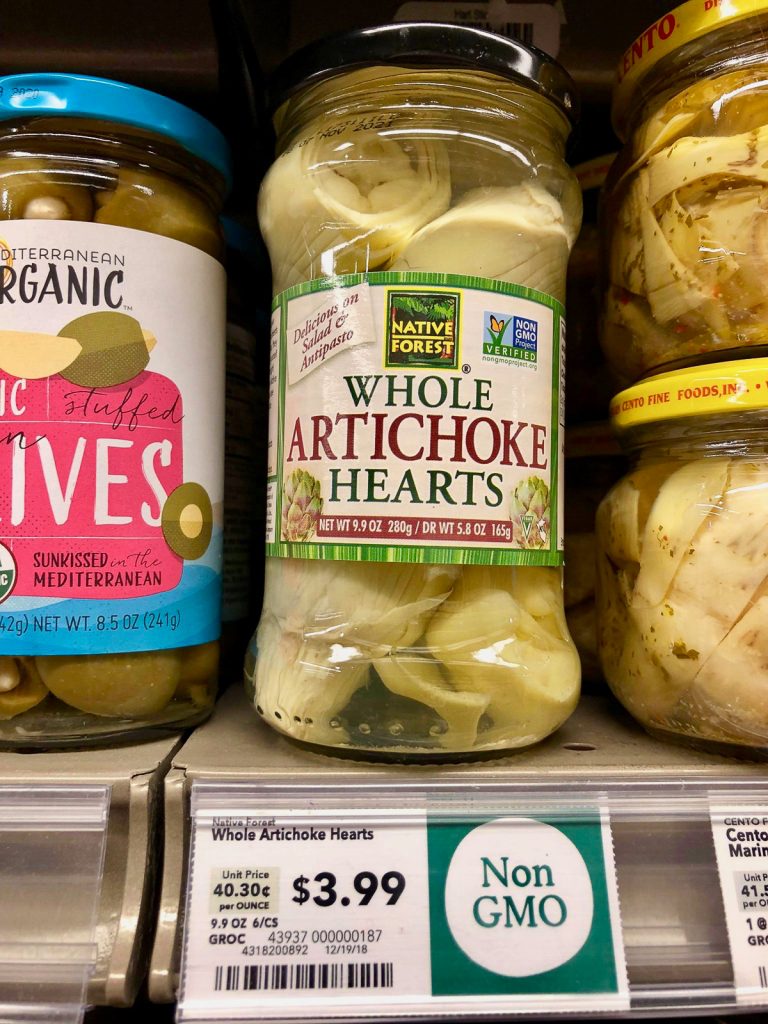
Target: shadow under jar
{"type": "Point", "coordinates": [686, 204]}
{"type": "Point", "coordinates": [682, 587]}
{"type": "Point", "coordinates": [419, 217]}
{"type": "Point", "coordinates": [111, 407]}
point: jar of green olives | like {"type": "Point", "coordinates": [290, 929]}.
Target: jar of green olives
{"type": "Point", "coordinates": [112, 320]}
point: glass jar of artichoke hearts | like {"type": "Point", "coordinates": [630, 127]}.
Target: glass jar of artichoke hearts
{"type": "Point", "coordinates": [687, 206]}
{"type": "Point", "coordinates": [683, 556]}
{"type": "Point", "coordinates": [419, 217]}
{"type": "Point", "coordinates": [112, 294]}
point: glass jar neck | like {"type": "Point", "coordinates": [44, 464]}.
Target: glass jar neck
{"type": "Point", "coordinates": [106, 146]}
{"type": "Point", "coordinates": [739, 45]}
{"type": "Point", "coordinates": [431, 98]}
{"type": "Point", "coordinates": [728, 435]}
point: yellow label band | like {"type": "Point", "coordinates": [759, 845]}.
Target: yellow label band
{"type": "Point", "coordinates": [695, 391]}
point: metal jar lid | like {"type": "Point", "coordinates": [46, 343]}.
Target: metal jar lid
{"type": "Point", "coordinates": [425, 45]}
{"type": "Point", "coordinates": [713, 389]}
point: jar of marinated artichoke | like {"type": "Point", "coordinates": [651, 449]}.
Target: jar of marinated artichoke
{"type": "Point", "coordinates": [112, 299]}
{"type": "Point", "coordinates": [683, 556]}
{"type": "Point", "coordinates": [687, 214]}
{"type": "Point", "coordinates": [419, 217]}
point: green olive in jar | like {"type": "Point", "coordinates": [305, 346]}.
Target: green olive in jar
{"type": "Point", "coordinates": [21, 687]}
{"type": "Point", "coordinates": [149, 202]}
{"type": "Point", "coordinates": [117, 685]}
{"type": "Point", "coordinates": [39, 190]}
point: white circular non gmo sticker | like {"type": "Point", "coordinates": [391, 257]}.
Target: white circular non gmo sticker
{"type": "Point", "coordinates": [518, 897]}
{"type": "Point", "coordinates": [8, 572]}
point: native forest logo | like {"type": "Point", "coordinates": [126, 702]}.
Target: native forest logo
{"type": "Point", "coordinates": [422, 330]}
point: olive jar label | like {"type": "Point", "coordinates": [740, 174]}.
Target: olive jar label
{"type": "Point", "coordinates": [111, 431]}
{"type": "Point", "coordinates": [416, 417]}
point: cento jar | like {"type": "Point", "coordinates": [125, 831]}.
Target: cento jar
{"type": "Point", "coordinates": [683, 556]}
{"type": "Point", "coordinates": [112, 302]}
{"type": "Point", "coordinates": [419, 217]}
{"type": "Point", "coordinates": [687, 208]}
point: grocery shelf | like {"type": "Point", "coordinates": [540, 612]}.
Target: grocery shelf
{"type": "Point", "coordinates": [61, 847]}
{"type": "Point", "coordinates": [657, 795]}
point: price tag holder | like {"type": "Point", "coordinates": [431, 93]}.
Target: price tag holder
{"type": "Point", "coordinates": [740, 834]}
{"type": "Point", "coordinates": [311, 909]}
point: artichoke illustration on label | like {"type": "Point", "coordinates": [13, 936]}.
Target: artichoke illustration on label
{"type": "Point", "coordinates": [529, 511]}
{"type": "Point", "coordinates": [302, 506]}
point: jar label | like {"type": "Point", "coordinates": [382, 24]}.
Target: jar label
{"type": "Point", "coordinates": [417, 418]}
{"type": "Point", "coordinates": [111, 434]}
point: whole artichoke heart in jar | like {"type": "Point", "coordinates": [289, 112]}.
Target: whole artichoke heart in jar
{"type": "Point", "coordinates": [683, 557]}
{"type": "Point", "coordinates": [419, 217]}
{"type": "Point", "coordinates": [687, 201]}
{"type": "Point", "coordinates": [112, 299]}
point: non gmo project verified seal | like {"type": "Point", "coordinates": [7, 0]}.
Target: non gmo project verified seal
{"type": "Point", "coordinates": [510, 337]}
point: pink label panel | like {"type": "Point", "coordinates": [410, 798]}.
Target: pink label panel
{"type": "Point", "coordinates": [86, 473]}
{"type": "Point", "coordinates": [87, 569]}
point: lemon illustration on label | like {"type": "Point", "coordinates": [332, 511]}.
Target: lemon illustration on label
{"type": "Point", "coordinates": [114, 349]}
{"type": "Point", "coordinates": [187, 521]}
{"type": "Point", "coordinates": [33, 355]}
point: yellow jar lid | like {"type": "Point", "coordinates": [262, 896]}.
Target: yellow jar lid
{"type": "Point", "coordinates": [695, 391]}
{"type": "Point", "coordinates": [682, 25]}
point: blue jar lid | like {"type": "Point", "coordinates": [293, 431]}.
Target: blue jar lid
{"type": "Point", "coordinates": [83, 96]}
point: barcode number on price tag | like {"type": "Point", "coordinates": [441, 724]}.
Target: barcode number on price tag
{"type": "Point", "coordinates": [301, 912]}
{"type": "Point", "coordinates": [740, 833]}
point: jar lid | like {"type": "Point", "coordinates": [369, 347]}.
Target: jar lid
{"type": "Point", "coordinates": [684, 24]}
{"type": "Point", "coordinates": [425, 44]}
{"type": "Point", "coordinates": [62, 95]}
{"type": "Point", "coordinates": [712, 389]}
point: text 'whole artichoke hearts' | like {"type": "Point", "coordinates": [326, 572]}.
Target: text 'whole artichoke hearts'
{"type": "Point", "coordinates": [441, 438]}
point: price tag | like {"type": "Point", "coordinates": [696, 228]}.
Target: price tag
{"type": "Point", "coordinates": [740, 833]}
{"type": "Point", "coordinates": [307, 912]}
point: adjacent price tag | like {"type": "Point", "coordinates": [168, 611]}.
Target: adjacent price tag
{"type": "Point", "coordinates": [317, 913]}
{"type": "Point", "coordinates": [740, 833]}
